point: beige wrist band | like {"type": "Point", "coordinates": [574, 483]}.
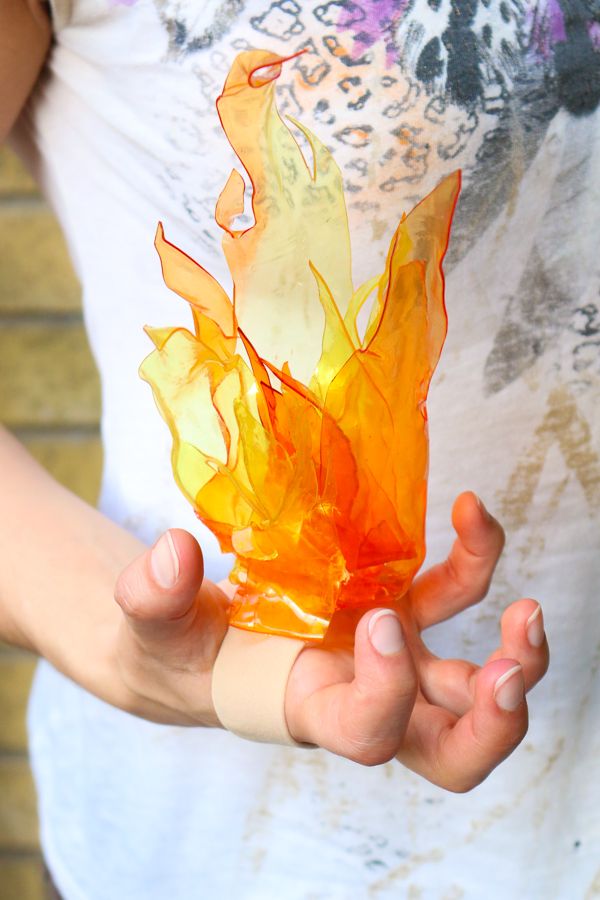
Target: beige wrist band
{"type": "Point", "coordinates": [249, 681]}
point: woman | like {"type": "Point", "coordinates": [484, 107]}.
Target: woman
{"type": "Point", "coordinates": [121, 131]}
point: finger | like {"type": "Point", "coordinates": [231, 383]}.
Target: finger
{"type": "Point", "coordinates": [158, 592]}
{"type": "Point", "coordinates": [365, 719]}
{"type": "Point", "coordinates": [449, 683]}
{"type": "Point", "coordinates": [459, 753]}
{"type": "Point", "coordinates": [524, 638]}
{"type": "Point", "coordinates": [464, 578]}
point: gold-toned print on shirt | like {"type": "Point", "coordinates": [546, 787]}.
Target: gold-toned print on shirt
{"type": "Point", "coordinates": [565, 426]}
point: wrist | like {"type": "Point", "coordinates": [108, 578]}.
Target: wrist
{"type": "Point", "coordinates": [249, 684]}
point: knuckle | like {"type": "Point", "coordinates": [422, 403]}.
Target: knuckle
{"type": "Point", "coordinates": [393, 696]}
{"type": "Point", "coordinates": [505, 743]}
{"type": "Point", "coordinates": [123, 594]}
{"type": "Point", "coordinates": [129, 601]}
{"type": "Point", "coordinates": [370, 756]}
{"type": "Point", "coordinates": [371, 749]}
{"type": "Point", "coordinates": [373, 739]}
{"type": "Point", "coordinates": [473, 585]}
{"type": "Point", "coordinates": [131, 593]}
{"type": "Point", "coordinates": [459, 779]}
{"type": "Point", "coordinates": [463, 783]}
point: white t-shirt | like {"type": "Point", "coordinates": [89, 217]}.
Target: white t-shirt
{"type": "Point", "coordinates": [122, 131]}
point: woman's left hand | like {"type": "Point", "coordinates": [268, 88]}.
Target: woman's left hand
{"type": "Point", "coordinates": [449, 720]}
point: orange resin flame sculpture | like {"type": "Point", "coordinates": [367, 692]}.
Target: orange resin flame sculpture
{"type": "Point", "coordinates": [301, 443]}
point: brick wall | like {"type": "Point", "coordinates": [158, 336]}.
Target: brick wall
{"type": "Point", "coordinates": [49, 397]}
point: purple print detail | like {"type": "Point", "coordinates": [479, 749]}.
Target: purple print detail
{"type": "Point", "coordinates": [594, 33]}
{"type": "Point", "coordinates": [371, 21]}
{"type": "Point", "coordinates": [121, 2]}
{"type": "Point", "coordinates": [547, 25]}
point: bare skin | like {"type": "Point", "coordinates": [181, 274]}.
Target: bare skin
{"type": "Point", "coordinates": [152, 652]}
{"type": "Point", "coordinates": [25, 36]}
{"type": "Point", "coordinates": [442, 718]}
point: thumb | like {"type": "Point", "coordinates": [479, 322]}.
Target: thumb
{"type": "Point", "coordinates": [173, 624]}
{"type": "Point", "coordinates": [158, 592]}
{"type": "Point", "coordinates": [365, 719]}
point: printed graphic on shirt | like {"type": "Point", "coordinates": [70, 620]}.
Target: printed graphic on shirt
{"type": "Point", "coordinates": [187, 26]}
{"type": "Point", "coordinates": [404, 91]}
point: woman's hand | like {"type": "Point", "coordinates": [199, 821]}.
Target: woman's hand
{"type": "Point", "coordinates": [449, 720]}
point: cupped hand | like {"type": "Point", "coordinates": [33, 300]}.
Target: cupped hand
{"type": "Point", "coordinates": [451, 721]}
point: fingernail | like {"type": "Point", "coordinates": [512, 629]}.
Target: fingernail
{"type": "Point", "coordinates": [164, 561]}
{"type": "Point", "coordinates": [509, 689]}
{"type": "Point", "coordinates": [535, 628]}
{"type": "Point", "coordinates": [385, 632]}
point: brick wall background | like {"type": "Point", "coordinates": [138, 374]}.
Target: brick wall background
{"type": "Point", "coordinates": [50, 398]}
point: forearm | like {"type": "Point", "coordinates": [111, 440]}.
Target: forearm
{"type": "Point", "coordinates": [59, 562]}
